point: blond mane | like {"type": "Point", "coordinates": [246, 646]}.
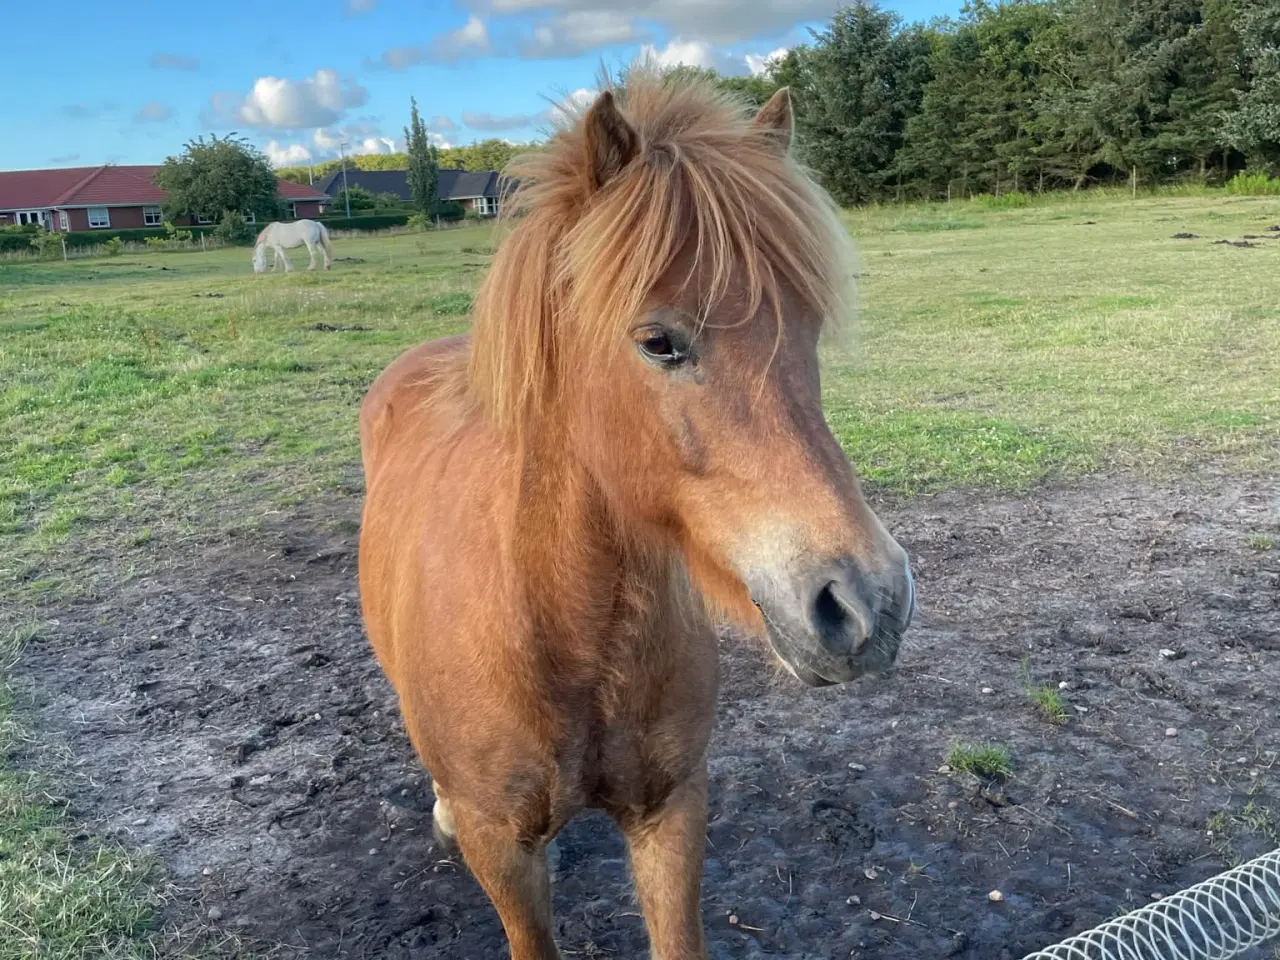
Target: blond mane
{"type": "Point", "coordinates": [579, 264]}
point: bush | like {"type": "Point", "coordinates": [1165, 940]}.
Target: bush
{"type": "Point", "coordinates": [381, 221]}
{"type": "Point", "coordinates": [113, 247]}
{"type": "Point", "coordinates": [233, 228]}
{"type": "Point", "coordinates": [48, 245]}
{"type": "Point", "coordinates": [420, 221]}
{"type": "Point", "coordinates": [361, 199]}
{"type": "Point", "coordinates": [1255, 184]}
{"type": "Point", "coordinates": [92, 238]}
{"type": "Point", "coordinates": [449, 210]}
{"type": "Point", "coordinates": [156, 241]}
{"type": "Point", "coordinates": [173, 233]}
{"type": "Point", "coordinates": [1005, 201]}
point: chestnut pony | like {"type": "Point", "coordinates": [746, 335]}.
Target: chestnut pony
{"type": "Point", "coordinates": [627, 450]}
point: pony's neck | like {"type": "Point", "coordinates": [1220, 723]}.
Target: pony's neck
{"type": "Point", "coordinates": [580, 569]}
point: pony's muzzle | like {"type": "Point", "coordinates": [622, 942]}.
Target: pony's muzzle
{"type": "Point", "coordinates": [850, 621]}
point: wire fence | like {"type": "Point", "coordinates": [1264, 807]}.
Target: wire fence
{"type": "Point", "coordinates": [1217, 919]}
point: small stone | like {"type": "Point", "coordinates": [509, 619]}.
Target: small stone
{"type": "Point", "coordinates": [988, 690]}
{"type": "Point", "coordinates": [1080, 709]}
{"type": "Point", "coordinates": [854, 901]}
{"type": "Point", "coordinates": [874, 915]}
{"type": "Point", "coordinates": [857, 767]}
{"type": "Point", "coordinates": [733, 919]}
{"type": "Point", "coordinates": [207, 871]}
{"type": "Point", "coordinates": [1171, 732]}
{"type": "Point", "coordinates": [953, 805]}
{"type": "Point", "coordinates": [1064, 685]}
{"type": "Point", "coordinates": [373, 852]}
{"type": "Point", "coordinates": [870, 873]}
{"type": "Point", "coordinates": [945, 768]}
{"type": "Point", "coordinates": [995, 896]}
{"type": "Point", "coordinates": [1157, 896]}
{"type": "Point", "coordinates": [215, 913]}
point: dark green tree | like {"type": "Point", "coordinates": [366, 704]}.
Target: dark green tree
{"type": "Point", "coordinates": [864, 78]}
{"type": "Point", "coordinates": [424, 162]}
{"type": "Point", "coordinates": [212, 177]}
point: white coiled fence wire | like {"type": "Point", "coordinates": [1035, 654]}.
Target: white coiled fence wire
{"type": "Point", "coordinates": [1217, 919]}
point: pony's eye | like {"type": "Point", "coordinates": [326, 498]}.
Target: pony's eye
{"type": "Point", "coordinates": [659, 347]}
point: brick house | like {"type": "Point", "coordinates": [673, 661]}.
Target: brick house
{"type": "Point", "coordinates": [110, 197]}
{"type": "Point", "coordinates": [478, 190]}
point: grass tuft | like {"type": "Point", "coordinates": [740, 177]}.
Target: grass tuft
{"type": "Point", "coordinates": [987, 760]}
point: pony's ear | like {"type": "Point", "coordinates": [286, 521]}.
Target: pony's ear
{"type": "Point", "coordinates": [611, 142]}
{"type": "Point", "coordinates": [778, 118]}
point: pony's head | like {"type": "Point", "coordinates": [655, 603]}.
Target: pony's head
{"type": "Point", "coordinates": [259, 257]}
{"type": "Point", "coordinates": [657, 309]}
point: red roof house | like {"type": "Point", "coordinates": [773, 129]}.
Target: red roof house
{"type": "Point", "coordinates": [109, 196]}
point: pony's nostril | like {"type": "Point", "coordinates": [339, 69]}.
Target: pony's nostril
{"type": "Point", "coordinates": [838, 619]}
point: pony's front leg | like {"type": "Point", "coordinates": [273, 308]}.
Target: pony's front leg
{"type": "Point", "coordinates": [311, 251]}
{"type": "Point", "coordinates": [288, 267]}
{"type": "Point", "coordinates": [514, 875]}
{"type": "Point", "coordinates": [667, 850]}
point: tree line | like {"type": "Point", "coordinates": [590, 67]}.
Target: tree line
{"type": "Point", "coordinates": [491, 154]}
{"type": "Point", "coordinates": [1035, 95]}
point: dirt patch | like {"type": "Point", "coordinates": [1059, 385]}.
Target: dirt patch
{"type": "Point", "coordinates": [227, 714]}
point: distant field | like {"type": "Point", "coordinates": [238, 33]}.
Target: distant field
{"type": "Point", "coordinates": [994, 348]}
{"type": "Point", "coordinates": [160, 398]}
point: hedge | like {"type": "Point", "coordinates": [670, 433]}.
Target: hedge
{"type": "Point", "coordinates": [11, 240]}
{"type": "Point", "coordinates": [374, 222]}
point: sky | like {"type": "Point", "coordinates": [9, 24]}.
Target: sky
{"type": "Point", "coordinates": [131, 82]}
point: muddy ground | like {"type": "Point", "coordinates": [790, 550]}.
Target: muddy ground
{"type": "Point", "coordinates": [226, 713]}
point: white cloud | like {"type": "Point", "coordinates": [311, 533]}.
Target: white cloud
{"type": "Point", "coordinates": [469, 40]}
{"type": "Point", "coordinates": [286, 154]}
{"type": "Point", "coordinates": [276, 103]}
{"type": "Point", "coordinates": [572, 106]}
{"type": "Point", "coordinates": [577, 31]}
{"type": "Point", "coordinates": [153, 113]}
{"type": "Point", "coordinates": [678, 52]}
{"type": "Point", "coordinates": [439, 122]}
{"type": "Point", "coordinates": [758, 64]}
{"type": "Point", "coordinates": [716, 21]}
{"type": "Point", "coordinates": [489, 122]}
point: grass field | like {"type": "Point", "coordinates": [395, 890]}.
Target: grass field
{"type": "Point", "coordinates": [150, 398]}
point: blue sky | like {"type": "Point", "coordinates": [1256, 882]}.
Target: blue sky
{"type": "Point", "coordinates": [131, 82]}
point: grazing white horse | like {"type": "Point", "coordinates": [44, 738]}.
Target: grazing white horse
{"type": "Point", "coordinates": [279, 236]}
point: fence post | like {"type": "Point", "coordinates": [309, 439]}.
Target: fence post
{"type": "Point", "coordinates": [202, 241]}
{"type": "Point", "coordinates": [64, 248]}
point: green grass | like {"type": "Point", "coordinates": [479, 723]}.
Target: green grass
{"type": "Point", "coordinates": [1261, 542]}
{"type": "Point", "coordinates": [152, 397]}
{"type": "Point", "coordinates": [1048, 703]}
{"type": "Point", "coordinates": [990, 761]}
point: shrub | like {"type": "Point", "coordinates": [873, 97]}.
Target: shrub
{"type": "Point", "coordinates": [233, 228]}
{"type": "Point", "coordinates": [113, 247]}
{"type": "Point", "coordinates": [420, 222]}
{"type": "Point", "coordinates": [1255, 184]}
{"type": "Point", "coordinates": [48, 245]}
{"type": "Point", "coordinates": [449, 210]}
{"type": "Point", "coordinates": [379, 221]}
{"type": "Point", "coordinates": [156, 241]}
{"type": "Point", "coordinates": [361, 199]}
{"type": "Point", "coordinates": [1005, 201]}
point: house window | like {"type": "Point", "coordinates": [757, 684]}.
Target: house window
{"type": "Point", "coordinates": [63, 223]}
{"type": "Point", "coordinates": [99, 217]}
{"type": "Point", "coordinates": [293, 211]}
{"type": "Point", "coordinates": [486, 206]}
{"type": "Point", "coordinates": [204, 220]}
{"type": "Point", "coordinates": [29, 216]}
{"type": "Point", "coordinates": [152, 216]}
{"type": "Point", "coordinates": [250, 218]}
